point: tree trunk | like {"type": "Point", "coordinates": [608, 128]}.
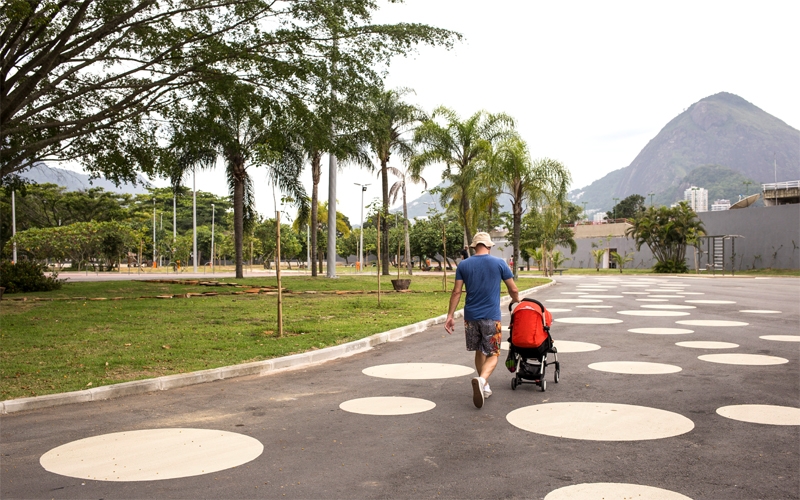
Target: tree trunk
{"type": "Point", "coordinates": [238, 211]}
{"type": "Point", "coordinates": [316, 172]}
{"type": "Point", "coordinates": [465, 214]}
{"type": "Point", "coordinates": [384, 227]}
{"type": "Point", "coordinates": [517, 210]}
{"type": "Point", "coordinates": [407, 252]}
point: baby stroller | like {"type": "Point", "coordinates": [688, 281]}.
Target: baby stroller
{"type": "Point", "coordinates": [530, 343]}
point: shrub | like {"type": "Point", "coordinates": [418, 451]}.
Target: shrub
{"type": "Point", "coordinates": [27, 276]}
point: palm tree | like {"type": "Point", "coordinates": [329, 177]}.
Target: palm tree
{"type": "Point", "coordinates": [460, 145]}
{"type": "Point", "coordinates": [667, 231]}
{"type": "Point", "coordinates": [245, 128]}
{"type": "Point", "coordinates": [389, 122]}
{"type": "Point", "coordinates": [404, 176]}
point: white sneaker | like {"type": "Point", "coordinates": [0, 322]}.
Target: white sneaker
{"type": "Point", "coordinates": [487, 391]}
{"type": "Point", "coordinates": [477, 391]}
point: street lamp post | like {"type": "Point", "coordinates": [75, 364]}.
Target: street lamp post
{"type": "Point", "coordinates": [194, 221]}
{"type": "Point", "coordinates": [154, 232]}
{"type": "Point", "coordinates": [212, 238]}
{"type": "Point", "coordinates": [651, 198]}
{"type": "Point", "coordinates": [361, 242]}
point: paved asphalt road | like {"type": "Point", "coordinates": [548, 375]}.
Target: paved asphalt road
{"type": "Point", "coordinates": [314, 449]}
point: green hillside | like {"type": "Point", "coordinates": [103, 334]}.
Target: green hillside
{"type": "Point", "coordinates": [720, 130]}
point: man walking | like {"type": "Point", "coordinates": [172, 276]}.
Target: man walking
{"type": "Point", "coordinates": [481, 274]}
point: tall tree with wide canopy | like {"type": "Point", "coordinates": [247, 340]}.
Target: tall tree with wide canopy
{"type": "Point", "coordinates": [245, 128]}
{"type": "Point", "coordinates": [390, 122]}
{"type": "Point", "coordinates": [91, 80]}
{"type": "Point", "coordinates": [461, 145]}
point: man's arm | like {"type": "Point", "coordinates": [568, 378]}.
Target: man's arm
{"type": "Point", "coordinates": [512, 289]}
{"type": "Point", "coordinates": [455, 298]}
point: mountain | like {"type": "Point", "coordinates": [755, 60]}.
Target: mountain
{"type": "Point", "coordinates": [722, 130]}
{"type": "Point", "coordinates": [40, 173]}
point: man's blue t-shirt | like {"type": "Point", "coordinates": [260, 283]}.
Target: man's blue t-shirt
{"type": "Point", "coordinates": [482, 275]}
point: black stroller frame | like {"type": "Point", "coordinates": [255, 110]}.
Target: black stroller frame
{"type": "Point", "coordinates": [533, 373]}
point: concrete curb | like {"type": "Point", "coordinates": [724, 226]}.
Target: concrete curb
{"type": "Point", "coordinates": [293, 362]}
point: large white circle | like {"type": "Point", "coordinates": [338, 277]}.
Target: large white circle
{"type": "Point", "coordinates": [417, 371]}
{"type": "Point", "coordinates": [151, 454]}
{"type": "Point", "coordinates": [588, 321]}
{"type": "Point", "coordinates": [635, 293]}
{"type": "Point", "coordinates": [661, 331]}
{"type": "Point", "coordinates": [634, 367]}
{"type": "Point", "coordinates": [743, 359]}
{"type": "Point", "coordinates": [710, 322]}
{"type": "Point", "coordinates": [665, 296]}
{"type": "Point", "coordinates": [575, 301]}
{"type": "Point", "coordinates": [653, 313]}
{"type": "Point", "coordinates": [594, 306]}
{"type": "Point", "coordinates": [781, 338]}
{"type": "Point", "coordinates": [599, 421]}
{"type": "Point", "coordinates": [707, 344]}
{"type": "Point", "coordinates": [637, 286]}
{"type": "Point", "coordinates": [573, 346]}
{"type": "Point", "coordinates": [392, 405]}
{"type": "Point", "coordinates": [662, 290]}
{"type": "Point", "coordinates": [667, 306]}
{"type": "Point", "coordinates": [606, 491]}
{"type": "Point", "coordinates": [759, 311]}
{"type": "Point", "coordinates": [652, 300]}
{"type": "Point", "coordinates": [558, 310]}
{"type": "Point", "coordinates": [762, 414]}
{"type": "Point", "coordinates": [692, 293]}
{"type": "Point", "coordinates": [601, 296]}
{"type": "Point", "coordinates": [704, 301]}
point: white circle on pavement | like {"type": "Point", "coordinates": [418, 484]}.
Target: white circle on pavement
{"type": "Point", "coordinates": [692, 293]}
{"type": "Point", "coordinates": [653, 300]}
{"type": "Point", "coordinates": [668, 306]}
{"type": "Point", "coordinates": [635, 293]}
{"type": "Point", "coordinates": [781, 338]}
{"type": "Point", "coordinates": [662, 290]}
{"type": "Point", "coordinates": [575, 301]}
{"type": "Point", "coordinates": [601, 296]}
{"type": "Point", "coordinates": [588, 321]}
{"type": "Point", "coordinates": [762, 414]}
{"type": "Point", "coordinates": [558, 310]}
{"type": "Point", "coordinates": [704, 301]}
{"type": "Point", "coordinates": [706, 344]}
{"type": "Point", "coordinates": [391, 405]}
{"type": "Point", "coordinates": [634, 367]}
{"type": "Point", "coordinates": [417, 371]}
{"type": "Point", "coordinates": [606, 491]}
{"type": "Point", "coordinates": [759, 311]}
{"type": "Point", "coordinates": [151, 454]}
{"type": "Point", "coordinates": [661, 331]}
{"type": "Point", "coordinates": [595, 307]}
{"type": "Point", "coordinates": [504, 346]}
{"type": "Point", "coordinates": [637, 285]}
{"type": "Point", "coordinates": [710, 322]}
{"type": "Point", "coordinates": [573, 346]}
{"type": "Point", "coordinates": [599, 421]}
{"type": "Point", "coordinates": [665, 296]}
{"type": "Point", "coordinates": [743, 359]}
{"type": "Point", "coordinates": [572, 293]}
{"type": "Point", "coordinates": [653, 313]}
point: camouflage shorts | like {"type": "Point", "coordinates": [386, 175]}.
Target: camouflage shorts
{"type": "Point", "coordinates": [483, 335]}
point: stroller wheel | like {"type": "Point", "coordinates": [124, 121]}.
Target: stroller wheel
{"type": "Point", "coordinates": [514, 384]}
{"type": "Point", "coordinates": [557, 375]}
{"type": "Point", "coordinates": [544, 385]}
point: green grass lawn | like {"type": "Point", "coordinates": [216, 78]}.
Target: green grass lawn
{"type": "Point", "coordinates": [71, 344]}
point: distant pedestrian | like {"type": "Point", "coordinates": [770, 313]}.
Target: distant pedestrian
{"type": "Point", "coordinates": [464, 253]}
{"type": "Point", "coordinates": [481, 274]}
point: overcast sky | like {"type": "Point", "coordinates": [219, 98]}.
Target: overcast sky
{"type": "Point", "coordinates": [589, 83]}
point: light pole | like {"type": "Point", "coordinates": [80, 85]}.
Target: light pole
{"type": "Point", "coordinates": [194, 220]}
{"type": "Point", "coordinates": [361, 242]}
{"type": "Point", "coordinates": [154, 232]}
{"type": "Point", "coordinates": [212, 238]}
{"type": "Point", "coordinates": [615, 208]}
{"type": "Point", "coordinates": [584, 210]}
{"type": "Point", "coordinates": [651, 198]}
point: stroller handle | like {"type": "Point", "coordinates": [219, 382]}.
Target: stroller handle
{"type": "Point", "coordinates": [526, 299]}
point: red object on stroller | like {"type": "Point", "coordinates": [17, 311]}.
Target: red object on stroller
{"type": "Point", "coordinates": [529, 343]}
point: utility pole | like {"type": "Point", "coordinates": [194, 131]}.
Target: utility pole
{"type": "Point", "coordinates": [154, 232]}
{"type": "Point", "coordinates": [212, 238]}
{"type": "Point", "coordinates": [361, 242]}
{"type": "Point", "coordinates": [194, 220]}
{"type": "Point", "coordinates": [14, 224]}
{"type": "Point", "coordinates": [332, 168]}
